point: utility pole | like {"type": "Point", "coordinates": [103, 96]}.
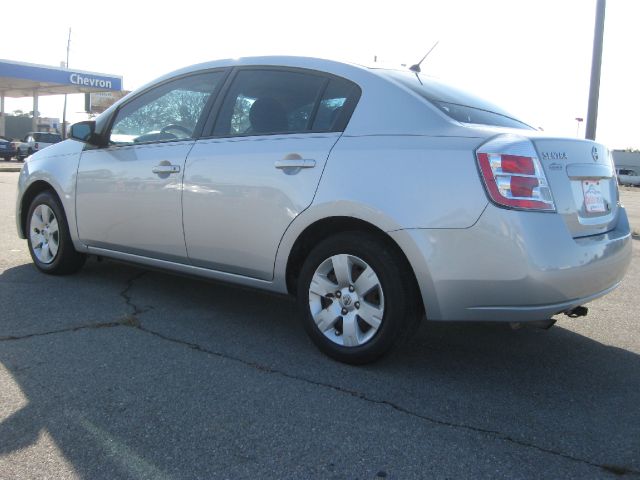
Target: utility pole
{"type": "Point", "coordinates": [64, 110]}
{"type": "Point", "coordinates": [596, 64]}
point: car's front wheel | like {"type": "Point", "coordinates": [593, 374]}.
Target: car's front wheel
{"type": "Point", "coordinates": [357, 297]}
{"type": "Point", "coordinates": [48, 237]}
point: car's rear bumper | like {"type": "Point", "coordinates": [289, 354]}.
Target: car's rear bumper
{"type": "Point", "coordinates": [514, 266]}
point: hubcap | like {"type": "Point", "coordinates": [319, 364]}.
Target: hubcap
{"type": "Point", "coordinates": [44, 234]}
{"type": "Point", "coordinates": [346, 300]}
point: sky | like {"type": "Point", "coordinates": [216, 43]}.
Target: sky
{"type": "Point", "coordinates": [533, 58]}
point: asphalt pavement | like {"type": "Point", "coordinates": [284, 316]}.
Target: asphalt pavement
{"type": "Point", "coordinates": [122, 373]}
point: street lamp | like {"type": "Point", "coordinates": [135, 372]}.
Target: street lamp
{"type": "Point", "coordinates": [596, 65]}
{"type": "Point", "coordinates": [579, 120]}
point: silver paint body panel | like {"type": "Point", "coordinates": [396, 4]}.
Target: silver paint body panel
{"type": "Point", "coordinates": [237, 203]}
{"type": "Point", "coordinates": [56, 167]}
{"type": "Point", "coordinates": [513, 266]}
{"type": "Point", "coordinates": [400, 165]}
{"type": "Point", "coordinates": [122, 205]}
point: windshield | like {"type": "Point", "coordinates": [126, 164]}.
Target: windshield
{"type": "Point", "coordinates": [457, 104]}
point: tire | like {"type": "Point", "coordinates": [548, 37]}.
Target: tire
{"type": "Point", "coordinates": [48, 237]}
{"type": "Point", "coordinates": [356, 320]}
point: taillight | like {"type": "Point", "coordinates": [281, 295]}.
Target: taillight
{"type": "Point", "coordinates": [513, 175]}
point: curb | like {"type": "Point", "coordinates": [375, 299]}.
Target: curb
{"type": "Point", "coordinates": [11, 166]}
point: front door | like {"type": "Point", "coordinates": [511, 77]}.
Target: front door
{"type": "Point", "coordinates": [129, 193]}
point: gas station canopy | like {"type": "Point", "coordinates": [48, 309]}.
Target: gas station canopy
{"type": "Point", "coordinates": [19, 79]}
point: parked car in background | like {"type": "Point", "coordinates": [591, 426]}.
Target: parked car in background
{"type": "Point", "coordinates": [375, 196]}
{"type": "Point", "coordinates": [35, 141]}
{"type": "Point", "coordinates": [7, 148]}
{"type": "Point", "coordinates": [628, 176]}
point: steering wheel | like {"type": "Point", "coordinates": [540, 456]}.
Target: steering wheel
{"type": "Point", "coordinates": [175, 127]}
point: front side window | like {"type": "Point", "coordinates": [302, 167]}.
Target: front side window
{"type": "Point", "coordinates": [166, 113]}
{"type": "Point", "coordinates": [263, 102]}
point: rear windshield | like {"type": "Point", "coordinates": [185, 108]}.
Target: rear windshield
{"type": "Point", "coordinates": [47, 137]}
{"type": "Point", "coordinates": [457, 104]}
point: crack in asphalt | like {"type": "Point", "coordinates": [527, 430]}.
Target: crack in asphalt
{"type": "Point", "coordinates": [126, 321]}
{"type": "Point", "coordinates": [131, 320]}
{"type": "Point", "coordinates": [126, 295]}
{"type": "Point", "coordinates": [615, 469]}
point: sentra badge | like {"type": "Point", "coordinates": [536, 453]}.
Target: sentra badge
{"type": "Point", "coordinates": [554, 156]}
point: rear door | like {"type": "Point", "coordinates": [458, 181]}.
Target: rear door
{"type": "Point", "coordinates": [261, 166]}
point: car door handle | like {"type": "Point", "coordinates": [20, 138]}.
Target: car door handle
{"type": "Point", "coordinates": [165, 169]}
{"type": "Point", "coordinates": [295, 163]}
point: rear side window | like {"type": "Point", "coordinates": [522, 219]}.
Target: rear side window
{"type": "Point", "coordinates": [266, 102]}
{"type": "Point", "coordinates": [336, 105]}
{"type": "Point", "coordinates": [50, 138]}
{"type": "Point", "coordinates": [263, 102]}
{"type": "Point", "coordinates": [457, 104]}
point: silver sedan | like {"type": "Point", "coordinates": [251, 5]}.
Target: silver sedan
{"type": "Point", "coordinates": [375, 196]}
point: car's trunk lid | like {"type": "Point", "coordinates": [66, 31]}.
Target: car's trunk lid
{"type": "Point", "coordinates": [583, 183]}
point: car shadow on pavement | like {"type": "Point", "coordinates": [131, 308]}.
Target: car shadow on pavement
{"type": "Point", "coordinates": [135, 373]}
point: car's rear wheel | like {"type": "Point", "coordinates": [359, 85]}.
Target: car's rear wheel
{"type": "Point", "coordinates": [356, 297]}
{"type": "Point", "coordinates": [48, 237]}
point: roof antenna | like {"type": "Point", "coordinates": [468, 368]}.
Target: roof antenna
{"type": "Point", "coordinates": [416, 68]}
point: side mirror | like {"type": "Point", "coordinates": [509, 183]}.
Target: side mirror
{"type": "Point", "coordinates": [86, 132]}
{"type": "Point", "coordinates": [83, 131]}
